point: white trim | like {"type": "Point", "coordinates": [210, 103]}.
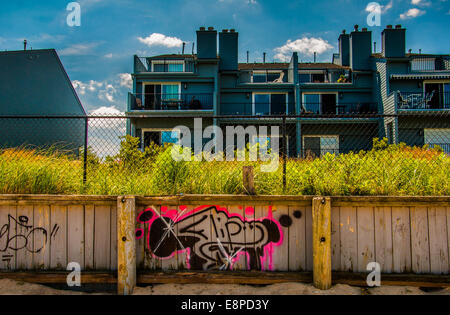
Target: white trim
{"type": "Point", "coordinates": [270, 102]}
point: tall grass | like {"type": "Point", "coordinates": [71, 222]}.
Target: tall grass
{"type": "Point", "coordinates": [384, 170]}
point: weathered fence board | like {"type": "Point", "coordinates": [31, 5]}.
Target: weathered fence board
{"type": "Point", "coordinates": [273, 233]}
{"type": "Point", "coordinates": [420, 246]}
{"type": "Point", "coordinates": [47, 235]}
{"type": "Point", "coordinates": [383, 238]}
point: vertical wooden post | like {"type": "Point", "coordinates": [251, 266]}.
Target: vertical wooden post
{"type": "Point", "coordinates": [126, 244]}
{"type": "Point", "coordinates": [321, 216]}
{"type": "Point", "coordinates": [248, 180]}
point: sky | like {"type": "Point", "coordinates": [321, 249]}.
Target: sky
{"type": "Point", "coordinates": [98, 54]}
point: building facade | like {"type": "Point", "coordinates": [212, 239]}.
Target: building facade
{"type": "Point", "coordinates": [333, 107]}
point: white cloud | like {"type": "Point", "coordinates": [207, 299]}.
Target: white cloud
{"type": "Point", "coordinates": [157, 39]}
{"type": "Point", "coordinates": [412, 13]}
{"type": "Point", "coordinates": [110, 55]}
{"type": "Point", "coordinates": [107, 111]}
{"type": "Point", "coordinates": [305, 45]}
{"type": "Point", "coordinates": [107, 94]}
{"type": "Point", "coordinates": [77, 49]}
{"type": "Point", "coordinates": [126, 80]}
{"type": "Point", "coordinates": [374, 7]}
{"type": "Point", "coordinates": [90, 86]}
{"type": "Point", "coordinates": [420, 3]}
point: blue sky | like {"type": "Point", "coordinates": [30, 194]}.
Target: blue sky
{"type": "Point", "coordinates": [98, 55]}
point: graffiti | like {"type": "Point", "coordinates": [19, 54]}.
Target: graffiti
{"type": "Point", "coordinates": [211, 237]}
{"type": "Point", "coordinates": [18, 234]}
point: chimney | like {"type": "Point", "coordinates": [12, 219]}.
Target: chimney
{"type": "Point", "coordinates": [228, 50]}
{"type": "Point", "coordinates": [207, 43]}
{"type": "Point", "coordinates": [315, 57]}
{"type": "Point", "coordinates": [393, 42]}
{"type": "Point", "coordinates": [25, 44]}
{"type": "Point", "coordinates": [344, 49]}
{"type": "Point", "coordinates": [264, 57]}
{"type": "Point", "coordinates": [248, 55]}
{"type": "Point", "coordinates": [360, 49]}
{"type": "Point", "coordinates": [184, 45]}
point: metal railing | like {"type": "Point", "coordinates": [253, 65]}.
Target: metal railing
{"type": "Point", "coordinates": [175, 101]}
{"type": "Point", "coordinates": [427, 63]}
{"type": "Point", "coordinates": [424, 101]}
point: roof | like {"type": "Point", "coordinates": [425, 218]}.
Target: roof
{"type": "Point", "coordinates": [320, 65]}
{"type": "Point", "coordinates": [408, 55]}
{"type": "Point", "coordinates": [34, 82]}
{"type": "Point", "coordinates": [281, 65]}
{"type": "Point", "coordinates": [263, 66]}
{"type": "Point", "coordinates": [173, 56]}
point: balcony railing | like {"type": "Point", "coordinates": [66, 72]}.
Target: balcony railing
{"type": "Point", "coordinates": [178, 101]}
{"type": "Point", "coordinates": [340, 109]}
{"type": "Point", "coordinates": [428, 63]}
{"type": "Point", "coordinates": [424, 101]}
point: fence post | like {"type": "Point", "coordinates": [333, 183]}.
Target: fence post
{"type": "Point", "coordinates": [126, 244]}
{"type": "Point", "coordinates": [248, 180]}
{"type": "Point", "coordinates": [321, 225]}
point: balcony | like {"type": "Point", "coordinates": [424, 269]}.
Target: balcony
{"type": "Point", "coordinates": [423, 101]}
{"type": "Point", "coordinates": [340, 109]}
{"type": "Point", "coordinates": [429, 63]}
{"type": "Point", "coordinates": [164, 65]}
{"type": "Point", "coordinates": [273, 76]}
{"type": "Point", "coordinates": [170, 102]}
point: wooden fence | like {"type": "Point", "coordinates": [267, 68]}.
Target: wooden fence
{"type": "Point", "coordinates": [225, 233]}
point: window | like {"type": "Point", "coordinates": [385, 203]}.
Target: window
{"type": "Point", "coordinates": [438, 137]}
{"type": "Point", "coordinates": [312, 76]}
{"type": "Point", "coordinates": [156, 95]}
{"type": "Point", "coordinates": [168, 65]}
{"type": "Point", "coordinates": [320, 103]}
{"type": "Point", "coordinates": [437, 95]}
{"type": "Point", "coordinates": [159, 137]}
{"type": "Point", "coordinates": [317, 146]}
{"type": "Point", "coordinates": [266, 104]}
{"type": "Point", "coordinates": [170, 91]}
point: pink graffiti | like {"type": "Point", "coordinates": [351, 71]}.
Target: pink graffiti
{"type": "Point", "coordinates": [210, 236]}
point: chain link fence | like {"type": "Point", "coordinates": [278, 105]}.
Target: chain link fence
{"type": "Point", "coordinates": [365, 154]}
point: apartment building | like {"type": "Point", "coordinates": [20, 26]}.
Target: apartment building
{"type": "Point", "coordinates": [333, 107]}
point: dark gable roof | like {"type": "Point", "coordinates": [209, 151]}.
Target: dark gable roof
{"type": "Point", "coordinates": [34, 82]}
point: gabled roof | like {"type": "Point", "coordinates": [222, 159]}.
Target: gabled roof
{"type": "Point", "coordinates": [263, 66]}
{"type": "Point", "coordinates": [285, 66]}
{"type": "Point", "coordinates": [34, 82]}
{"type": "Point", "coordinates": [320, 65]}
